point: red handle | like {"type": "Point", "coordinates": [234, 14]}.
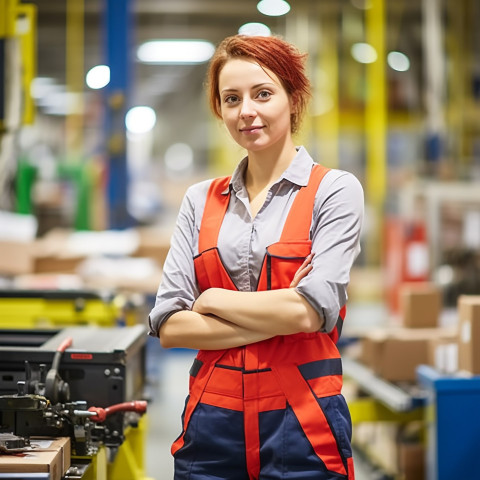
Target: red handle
{"type": "Point", "coordinates": [65, 344]}
{"type": "Point", "coordinates": [138, 406]}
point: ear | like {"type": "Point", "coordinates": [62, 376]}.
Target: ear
{"type": "Point", "coordinates": [293, 100]}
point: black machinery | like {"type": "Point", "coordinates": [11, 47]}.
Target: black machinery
{"type": "Point", "coordinates": [79, 382]}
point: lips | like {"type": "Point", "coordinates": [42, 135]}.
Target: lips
{"type": "Point", "coordinates": [252, 129]}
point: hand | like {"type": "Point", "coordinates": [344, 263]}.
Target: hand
{"type": "Point", "coordinates": [303, 270]}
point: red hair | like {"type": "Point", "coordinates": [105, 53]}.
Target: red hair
{"type": "Point", "coordinates": [272, 53]}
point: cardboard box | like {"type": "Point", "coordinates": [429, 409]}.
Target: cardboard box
{"type": "Point", "coordinates": [469, 333]}
{"type": "Point", "coordinates": [60, 444]}
{"type": "Point", "coordinates": [399, 356]}
{"type": "Point", "coordinates": [51, 253]}
{"type": "Point", "coordinates": [16, 258]}
{"type": "Point", "coordinates": [17, 234]}
{"type": "Point", "coordinates": [411, 461]}
{"type": "Point", "coordinates": [395, 353]}
{"type": "Point", "coordinates": [420, 305]}
{"type": "Point", "coordinates": [34, 462]}
{"type": "Point", "coordinates": [371, 346]}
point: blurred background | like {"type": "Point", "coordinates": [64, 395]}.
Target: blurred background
{"type": "Point", "coordinates": [104, 123]}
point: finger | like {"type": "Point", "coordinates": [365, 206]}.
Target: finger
{"type": "Point", "coordinates": [301, 273]}
{"type": "Point", "coordinates": [307, 260]}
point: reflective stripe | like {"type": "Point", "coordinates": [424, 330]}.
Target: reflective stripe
{"type": "Point", "coordinates": [195, 368]}
{"type": "Point", "coordinates": [321, 368]}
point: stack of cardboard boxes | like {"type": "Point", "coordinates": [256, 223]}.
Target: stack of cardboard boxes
{"type": "Point", "coordinates": [137, 255]}
{"type": "Point", "coordinates": [394, 354]}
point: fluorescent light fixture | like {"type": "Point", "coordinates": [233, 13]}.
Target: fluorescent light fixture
{"type": "Point", "coordinates": [398, 61]}
{"type": "Point", "coordinates": [273, 8]}
{"type": "Point", "coordinates": [98, 77]}
{"type": "Point", "coordinates": [42, 86]}
{"type": "Point", "coordinates": [62, 103]}
{"type": "Point", "coordinates": [254, 29]}
{"type": "Point", "coordinates": [140, 119]}
{"type": "Point", "coordinates": [173, 52]}
{"type": "Point", "coordinates": [364, 53]}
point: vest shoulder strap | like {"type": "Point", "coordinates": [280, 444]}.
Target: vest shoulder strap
{"type": "Point", "coordinates": [299, 220]}
{"type": "Point", "coordinates": [215, 207]}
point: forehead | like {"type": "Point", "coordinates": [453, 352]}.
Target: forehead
{"type": "Point", "coordinates": [238, 72]}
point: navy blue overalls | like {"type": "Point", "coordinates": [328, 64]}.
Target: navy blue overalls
{"type": "Point", "coordinates": [272, 409]}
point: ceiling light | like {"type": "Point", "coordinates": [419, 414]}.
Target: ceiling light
{"type": "Point", "coordinates": [140, 119]}
{"type": "Point", "coordinates": [364, 53]}
{"type": "Point", "coordinates": [62, 103]}
{"type": "Point", "coordinates": [398, 61]}
{"type": "Point", "coordinates": [173, 52]}
{"type": "Point", "coordinates": [98, 77]}
{"type": "Point", "coordinates": [273, 8]}
{"type": "Point", "coordinates": [254, 29]}
{"type": "Point", "coordinates": [42, 86]}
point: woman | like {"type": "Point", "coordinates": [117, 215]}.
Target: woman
{"type": "Point", "coordinates": [256, 279]}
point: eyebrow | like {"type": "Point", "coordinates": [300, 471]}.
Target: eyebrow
{"type": "Point", "coordinates": [253, 87]}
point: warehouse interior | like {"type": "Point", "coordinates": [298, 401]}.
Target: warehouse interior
{"type": "Point", "coordinates": [100, 136]}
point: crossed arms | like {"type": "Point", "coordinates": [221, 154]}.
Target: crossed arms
{"type": "Point", "coordinates": [226, 318]}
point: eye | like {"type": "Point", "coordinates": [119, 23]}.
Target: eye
{"type": "Point", "coordinates": [264, 95]}
{"type": "Point", "coordinates": [231, 99]}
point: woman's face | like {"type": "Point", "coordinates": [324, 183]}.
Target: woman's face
{"type": "Point", "coordinates": [254, 105]}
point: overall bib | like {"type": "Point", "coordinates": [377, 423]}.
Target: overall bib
{"type": "Point", "coordinates": [272, 409]}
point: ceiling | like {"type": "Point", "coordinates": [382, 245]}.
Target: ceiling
{"type": "Point", "coordinates": [152, 19]}
{"type": "Point", "coordinates": [176, 92]}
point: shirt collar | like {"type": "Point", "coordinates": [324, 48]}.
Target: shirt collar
{"type": "Point", "coordinates": [298, 171]}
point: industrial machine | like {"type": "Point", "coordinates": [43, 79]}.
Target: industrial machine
{"type": "Point", "coordinates": [82, 383]}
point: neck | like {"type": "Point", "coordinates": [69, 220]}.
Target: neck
{"type": "Point", "coordinates": [266, 166]}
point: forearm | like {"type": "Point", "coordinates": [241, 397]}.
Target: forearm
{"type": "Point", "coordinates": [274, 312]}
{"type": "Point", "coordinates": [187, 329]}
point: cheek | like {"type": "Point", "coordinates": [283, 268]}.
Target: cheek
{"type": "Point", "coordinates": [229, 122]}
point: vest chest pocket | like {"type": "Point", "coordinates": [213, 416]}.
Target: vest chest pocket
{"type": "Point", "coordinates": [282, 260]}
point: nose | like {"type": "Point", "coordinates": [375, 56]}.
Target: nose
{"type": "Point", "coordinates": [248, 109]}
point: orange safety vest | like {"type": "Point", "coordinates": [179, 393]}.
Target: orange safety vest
{"type": "Point", "coordinates": [287, 368]}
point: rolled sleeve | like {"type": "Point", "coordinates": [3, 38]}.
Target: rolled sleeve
{"type": "Point", "coordinates": [336, 227]}
{"type": "Point", "coordinates": [178, 289]}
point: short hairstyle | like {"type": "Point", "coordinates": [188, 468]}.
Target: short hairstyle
{"type": "Point", "coordinates": [273, 53]}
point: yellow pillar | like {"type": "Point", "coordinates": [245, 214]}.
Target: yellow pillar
{"type": "Point", "coordinates": [27, 33]}
{"type": "Point", "coordinates": [74, 62]}
{"type": "Point", "coordinates": [376, 126]}
{"type": "Point", "coordinates": [325, 108]}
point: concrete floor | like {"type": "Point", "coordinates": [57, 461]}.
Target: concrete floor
{"type": "Point", "coordinates": [168, 377]}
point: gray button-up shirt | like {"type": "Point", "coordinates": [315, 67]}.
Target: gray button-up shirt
{"type": "Point", "coordinates": [335, 232]}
